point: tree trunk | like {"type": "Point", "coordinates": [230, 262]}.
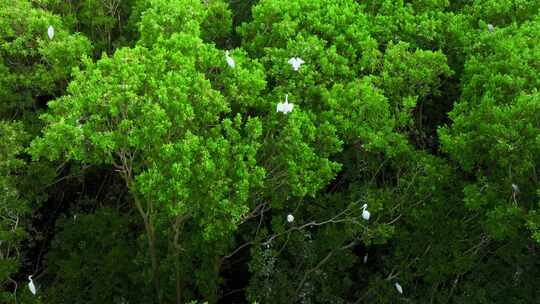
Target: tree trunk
{"type": "Point", "coordinates": [178, 226]}
{"type": "Point", "coordinates": [149, 228]}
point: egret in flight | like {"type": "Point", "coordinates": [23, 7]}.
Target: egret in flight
{"type": "Point", "coordinates": [285, 107]}
{"type": "Point", "coordinates": [229, 59]}
{"type": "Point", "coordinates": [31, 285]}
{"type": "Point", "coordinates": [50, 32]}
{"type": "Point", "coordinates": [296, 63]}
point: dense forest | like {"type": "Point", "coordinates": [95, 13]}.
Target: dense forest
{"type": "Point", "coordinates": [269, 151]}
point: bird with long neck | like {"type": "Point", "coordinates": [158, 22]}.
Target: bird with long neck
{"type": "Point", "coordinates": [285, 107]}
{"type": "Point", "coordinates": [31, 285]}
{"type": "Point", "coordinates": [229, 59]}
{"type": "Point", "coordinates": [365, 214]}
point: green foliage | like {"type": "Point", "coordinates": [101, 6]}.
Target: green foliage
{"type": "Point", "coordinates": [502, 12]}
{"type": "Point", "coordinates": [495, 130]}
{"type": "Point", "coordinates": [105, 23]}
{"type": "Point", "coordinates": [160, 174]}
{"type": "Point", "coordinates": [32, 65]}
{"type": "Point", "coordinates": [163, 18]}
{"type": "Point", "coordinates": [13, 207]}
{"type": "Point", "coordinates": [217, 26]}
{"type": "Point", "coordinates": [93, 246]}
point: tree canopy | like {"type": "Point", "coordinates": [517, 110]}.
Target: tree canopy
{"type": "Point", "coordinates": [144, 157]}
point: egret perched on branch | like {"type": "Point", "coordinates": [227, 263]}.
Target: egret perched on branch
{"type": "Point", "coordinates": [296, 63]}
{"type": "Point", "coordinates": [31, 285]}
{"type": "Point", "coordinates": [290, 218]}
{"type": "Point", "coordinates": [229, 59]}
{"type": "Point", "coordinates": [490, 27]}
{"type": "Point", "coordinates": [398, 287]}
{"type": "Point", "coordinates": [365, 213]}
{"type": "Point", "coordinates": [285, 107]}
{"type": "Point", "coordinates": [515, 192]}
{"type": "Point", "coordinates": [50, 32]}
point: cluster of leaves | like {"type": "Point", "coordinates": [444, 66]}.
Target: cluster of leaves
{"type": "Point", "coordinates": [13, 208]}
{"type": "Point", "coordinates": [136, 166]}
{"type": "Point", "coordinates": [33, 67]}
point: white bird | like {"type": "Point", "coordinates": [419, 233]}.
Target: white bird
{"type": "Point", "coordinates": [365, 258]}
{"type": "Point", "coordinates": [290, 218]}
{"type": "Point", "coordinates": [296, 62]}
{"type": "Point", "coordinates": [365, 213]}
{"type": "Point", "coordinates": [285, 107]}
{"type": "Point", "coordinates": [515, 188]}
{"type": "Point", "coordinates": [229, 59]}
{"type": "Point", "coordinates": [50, 32]}
{"type": "Point", "coordinates": [31, 285]}
{"type": "Point", "coordinates": [398, 287]}
{"type": "Point", "coordinates": [490, 27]}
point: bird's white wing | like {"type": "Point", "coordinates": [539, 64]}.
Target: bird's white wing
{"type": "Point", "coordinates": [279, 107]}
{"type": "Point", "coordinates": [289, 107]}
{"type": "Point", "coordinates": [295, 62]}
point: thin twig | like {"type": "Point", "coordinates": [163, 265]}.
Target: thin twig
{"type": "Point", "coordinates": [321, 263]}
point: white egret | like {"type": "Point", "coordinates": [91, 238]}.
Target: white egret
{"type": "Point", "coordinates": [50, 32]}
{"type": "Point", "coordinates": [398, 287]}
{"type": "Point", "coordinates": [490, 27]}
{"type": "Point", "coordinates": [229, 59]}
{"type": "Point", "coordinates": [285, 107]}
{"type": "Point", "coordinates": [296, 63]}
{"type": "Point", "coordinates": [31, 285]}
{"type": "Point", "coordinates": [365, 213]}
{"type": "Point", "coordinates": [290, 218]}
{"type": "Point", "coordinates": [365, 258]}
{"type": "Point", "coordinates": [515, 188]}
